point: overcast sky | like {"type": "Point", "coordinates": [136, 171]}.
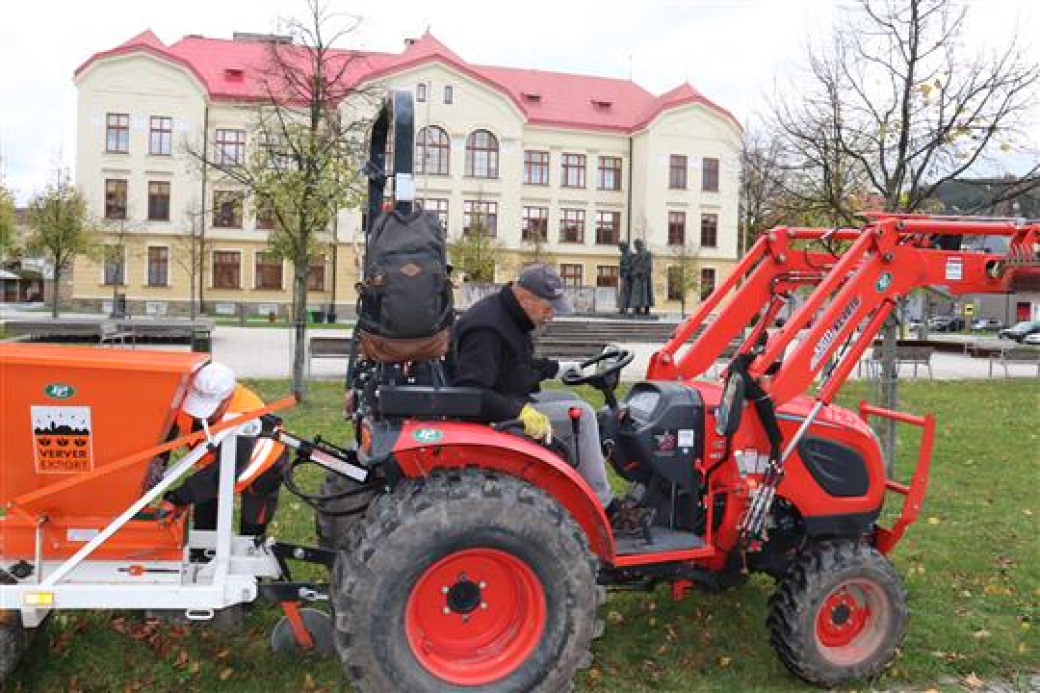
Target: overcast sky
{"type": "Point", "coordinates": [731, 50]}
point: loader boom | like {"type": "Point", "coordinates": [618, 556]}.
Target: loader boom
{"type": "Point", "coordinates": [852, 294]}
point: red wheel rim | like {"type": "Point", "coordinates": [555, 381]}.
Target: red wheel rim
{"type": "Point", "coordinates": [851, 621]}
{"type": "Point", "coordinates": [475, 616]}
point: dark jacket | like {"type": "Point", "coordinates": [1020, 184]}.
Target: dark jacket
{"type": "Point", "coordinates": [493, 351]}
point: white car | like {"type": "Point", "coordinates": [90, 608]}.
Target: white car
{"type": "Point", "coordinates": [1033, 339]}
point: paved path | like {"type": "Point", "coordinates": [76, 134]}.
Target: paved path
{"type": "Point", "coordinates": [257, 352]}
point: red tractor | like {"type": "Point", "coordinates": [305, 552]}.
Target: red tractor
{"type": "Point", "coordinates": [478, 558]}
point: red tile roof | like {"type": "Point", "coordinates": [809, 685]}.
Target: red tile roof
{"type": "Point", "coordinates": [544, 98]}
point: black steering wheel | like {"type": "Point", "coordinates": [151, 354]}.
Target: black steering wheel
{"type": "Point", "coordinates": [612, 359]}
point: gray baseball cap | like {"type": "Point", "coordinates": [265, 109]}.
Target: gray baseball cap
{"type": "Point", "coordinates": [543, 282]}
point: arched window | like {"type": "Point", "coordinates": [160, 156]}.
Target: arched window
{"type": "Point", "coordinates": [481, 155]}
{"type": "Point", "coordinates": [432, 148]}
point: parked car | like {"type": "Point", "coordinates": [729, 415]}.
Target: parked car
{"type": "Point", "coordinates": [1021, 330]}
{"type": "Point", "coordinates": [986, 324]}
{"type": "Point", "coordinates": [1033, 339]}
{"type": "Point", "coordinates": [945, 323]}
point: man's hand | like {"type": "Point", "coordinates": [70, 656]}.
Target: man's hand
{"type": "Point", "coordinates": [536, 424]}
{"type": "Point", "coordinates": [156, 470]}
{"type": "Point", "coordinates": [168, 513]}
{"type": "Point", "coordinates": [568, 366]}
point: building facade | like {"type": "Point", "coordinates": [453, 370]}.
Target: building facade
{"type": "Point", "coordinates": [558, 167]}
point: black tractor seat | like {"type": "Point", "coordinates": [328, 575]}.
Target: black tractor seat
{"type": "Point", "coordinates": [429, 402]}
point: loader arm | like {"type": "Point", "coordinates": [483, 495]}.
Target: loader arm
{"type": "Point", "coordinates": [852, 294]}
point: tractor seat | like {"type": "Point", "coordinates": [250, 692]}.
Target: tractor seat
{"type": "Point", "coordinates": [428, 402]}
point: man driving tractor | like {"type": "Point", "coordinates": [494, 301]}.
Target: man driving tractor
{"type": "Point", "coordinates": [494, 352]}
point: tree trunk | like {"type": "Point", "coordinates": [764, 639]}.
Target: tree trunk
{"type": "Point", "coordinates": [55, 291]}
{"type": "Point", "coordinates": [299, 318]}
{"type": "Point", "coordinates": [888, 395]}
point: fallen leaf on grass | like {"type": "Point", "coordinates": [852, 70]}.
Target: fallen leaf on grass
{"type": "Point", "coordinates": [1022, 648]}
{"type": "Point", "coordinates": [308, 682]}
{"type": "Point", "coordinates": [980, 634]}
{"type": "Point", "coordinates": [226, 674]}
{"type": "Point", "coordinates": [933, 520]}
{"type": "Point", "coordinates": [182, 659]}
{"type": "Point", "coordinates": [724, 661]}
{"type": "Point", "coordinates": [223, 654]}
{"type": "Point", "coordinates": [615, 617]}
{"type": "Point", "coordinates": [972, 681]}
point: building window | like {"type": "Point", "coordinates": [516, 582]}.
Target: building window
{"type": "Point", "coordinates": [710, 175]}
{"type": "Point", "coordinates": [573, 171]}
{"type": "Point", "coordinates": [449, 94]}
{"type": "Point", "coordinates": [158, 266]}
{"type": "Point", "coordinates": [677, 172]}
{"type": "Point", "coordinates": [316, 273]}
{"type": "Point", "coordinates": [607, 276]}
{"type": "Point", "coordinates": [571, 274]}
{"type": "Point", "coordinates": [676, 228]}
{"type": "Point", "coordinates": [268, 271]}
{"type": "Point", "coordinates": [265, 219]}
{"type": "Point", "coordinates": [707, 281]}
{"type": "Point", "coordinates": [610, 173]}
{"type": "Point", "coordinates": [432, 149]}
{"type": "Point", "coordinates": [230, 147]}
{"type": "Point", "coordinates": [572, 226]}
{"type": "Point", "coordinates": [536, 224]}
{"type": "Point", "coordinates": [115, 265]}
{"type": "Point", "coordinates": [608, 228]}
{"type": "Point", "coordinates": [536, 168]}
{"type": "Point", "coordinates": [227, 209]}
{"type": "Point", "coordinates": [275, 154]}
{"type": "Point", "coordinates": [227, 270]}
{"type": "Point", "coordinates": [437, 206]}
{"type": "Point", "coordinates": [160, 136]}
{"type": "Point", "coordinates": [480, 217]}
{"type": "Point", "coordinates": [675, 284]}
{"type": "Point", "coordinates": [481, 155]}
{"type": "Point", "coordinates": [115, 199]}
{"type": "Point", "coordinates": [709, 230]}
{"type": "Point", "coordinates": [117, 133]}
{"type": "Point", "coordinates": [420, 92]}
{"type": "Point", "coordinates": [158, 201]}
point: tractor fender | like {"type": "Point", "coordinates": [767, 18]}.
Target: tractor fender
{"type": "Point", "coordinates": [424, 447]}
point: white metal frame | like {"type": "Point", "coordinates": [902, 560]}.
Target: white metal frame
{"type": "Point", "coordinates": [197, 588]}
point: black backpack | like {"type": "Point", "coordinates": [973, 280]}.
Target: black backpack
{"type": "Point", "coordinates": [405, 302]}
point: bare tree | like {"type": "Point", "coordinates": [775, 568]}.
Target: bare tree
{"type": "Point", "coordinates": [113, 251]}
{"type": "Point", "coordinates": [304, 167]}
{"type": "Point", "coordinates": [190, 255]}
{"type": "Point", "coordinates": [60, 229]}
{"type": "Point", "coordinates": [762, 179]}
{"type": "Point", "coordinates": [7, 223]}
{"type": "Point", "coordinates": [683, 272]}
{"type": "Point", "coordinates": [895, 106]}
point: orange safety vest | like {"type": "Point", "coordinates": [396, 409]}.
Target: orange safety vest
{"type": "Point", "coordinates": [265, 451]}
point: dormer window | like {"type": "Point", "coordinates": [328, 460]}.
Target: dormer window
{"type": "Point", "coordinates": [602, 103]}
{"type": "Point", "coordinates": [234, 74]}
{"type": "Point", "coordinates": [532, 97]}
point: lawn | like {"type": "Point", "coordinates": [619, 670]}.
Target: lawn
{"type": "Point", "coordinates": [971, 565]}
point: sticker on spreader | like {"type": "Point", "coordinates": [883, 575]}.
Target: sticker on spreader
{"type": "Point", "coordinates": [62, 440]}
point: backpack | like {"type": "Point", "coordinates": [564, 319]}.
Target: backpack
{"type": "Point", "coordinates": [405, 297]}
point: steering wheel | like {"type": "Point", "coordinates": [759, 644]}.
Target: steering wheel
{"type": "Point", "coordinates": [612, 360]}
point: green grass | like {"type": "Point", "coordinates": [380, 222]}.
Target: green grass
{"type": "Point", "coordinates": [971, 565]}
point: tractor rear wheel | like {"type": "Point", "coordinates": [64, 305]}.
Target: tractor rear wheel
{"type": "Point", "coordinates": [333, 522]}
{"type": "Point", "coordinates": [838, 614]}
{"type": "Point", "coordinates": [466, 580]}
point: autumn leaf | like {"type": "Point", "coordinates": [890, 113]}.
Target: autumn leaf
{"type": "Point", "coordinates": [226, 674]}
{"type": "Point", "coordinates": [972, 681]}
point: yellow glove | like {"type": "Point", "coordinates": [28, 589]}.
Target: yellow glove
{"type": "Point", "coordinates": [536, 424]}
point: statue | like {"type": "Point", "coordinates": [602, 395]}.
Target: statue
{"type": "Point", "coordinates": [625, 277]}
{"type": "Point", "coordinates": [642, 296]}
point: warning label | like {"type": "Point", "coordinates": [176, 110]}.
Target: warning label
{"type": "Point", "coordinates": [61, 440]}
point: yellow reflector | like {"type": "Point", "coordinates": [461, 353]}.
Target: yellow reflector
{"type": "Point", "coordinates": [39, 598]}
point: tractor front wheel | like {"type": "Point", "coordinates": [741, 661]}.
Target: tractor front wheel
{"type": "Point", "coordinates": [839, 613]}
{"type": "Point", "coordinates": [464, 581]}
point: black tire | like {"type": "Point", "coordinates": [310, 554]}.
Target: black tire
{"type": "Point", "coordinates": [330, 523]}
{"type": "Point", "coordinates": [421, 528]}
{"type": "Point", "coordinates": [839, 614]}
{"type": "Point", "coordinates": [14, 637]}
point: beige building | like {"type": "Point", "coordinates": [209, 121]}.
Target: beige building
{"type": "Point", "coordinates": [583, 162]}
